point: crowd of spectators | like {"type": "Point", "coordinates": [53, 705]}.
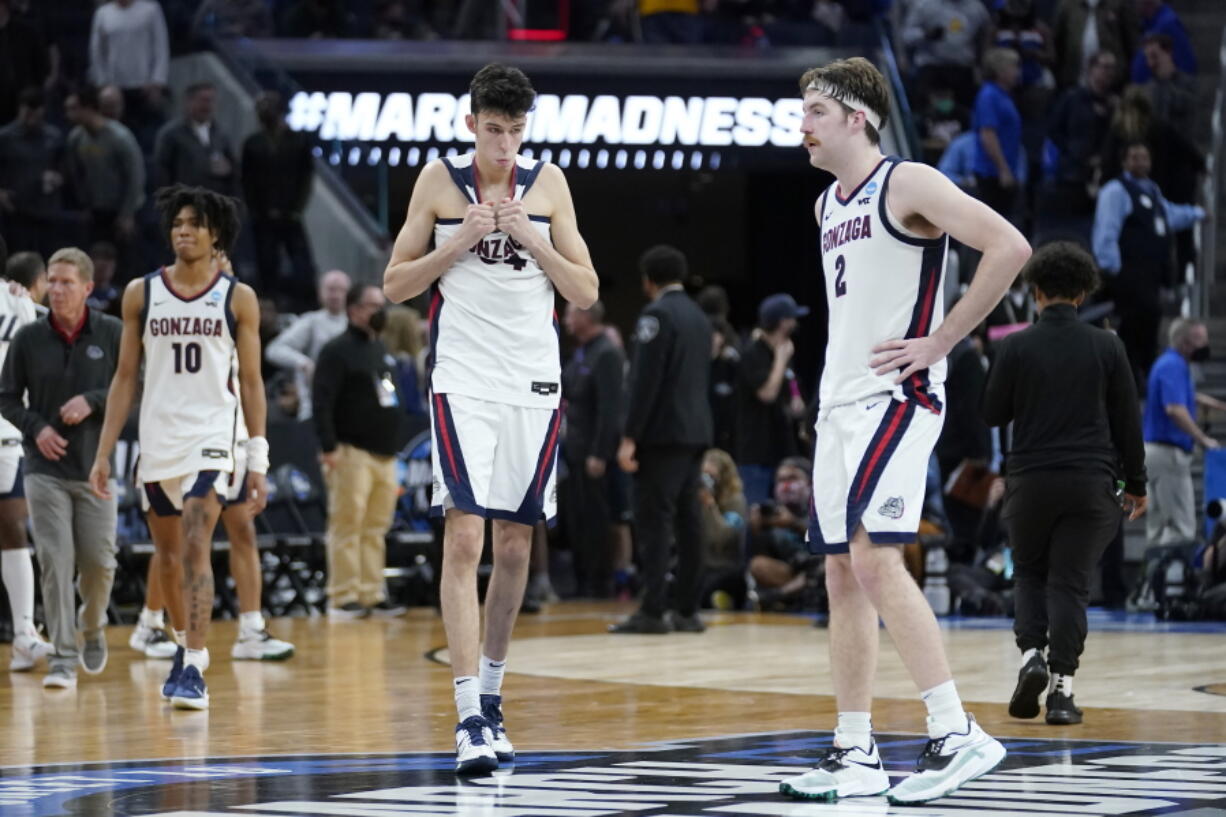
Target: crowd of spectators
{"type": "Point", "coordinates": [1074, 118]}
{"type": "Point", "coordinates": [89, 129]}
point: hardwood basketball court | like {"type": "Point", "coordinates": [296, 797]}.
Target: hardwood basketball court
{"type": "Point", "coordinates": [378, 694]}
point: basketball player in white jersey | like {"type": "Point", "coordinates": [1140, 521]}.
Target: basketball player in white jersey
{"type": "Point", "coordinates": [252, 642]}
{"type": "Point", "coordinates": [884, 229]}
{"type": "Point", "coordinates": [189, 320]}
{"type": "Point", "coordinates": [17, 308]}
{"type": "Point", "coordinates": [495, 234]}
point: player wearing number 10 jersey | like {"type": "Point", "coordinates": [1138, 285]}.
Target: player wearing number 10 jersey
{"type": "Point", "coordinates": [189, 320]}
{"type": "Point", "coordinates": [884, 225]}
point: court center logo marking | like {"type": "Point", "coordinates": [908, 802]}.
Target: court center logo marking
{"type": "Point", "coordinates": [736, 775]}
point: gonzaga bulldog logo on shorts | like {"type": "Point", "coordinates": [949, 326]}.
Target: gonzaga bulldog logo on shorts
{"type": "Point", "coordinates": [893, 508]}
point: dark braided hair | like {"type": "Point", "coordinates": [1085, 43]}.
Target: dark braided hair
{"type": "Point", "coordinates": [219, 213]}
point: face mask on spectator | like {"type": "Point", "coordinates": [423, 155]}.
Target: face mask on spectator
{"type": "Point", "coordinates": [793, 493]}
{"type": "Point", "coordinates": [1200, 354]}
{"type": "Point", "coordinates": [378, 320]}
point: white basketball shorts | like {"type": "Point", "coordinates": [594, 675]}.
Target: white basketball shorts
{"type": "Point", "coordinates": [494, 460]}
{"type": "Point", "coordinates": [11, 483]}
{"type": "Point", "coordinates": [165, 498]}
{"type": "Point", "coordinates": [236, 483]}
{"type": "Point", "coordinates": [870, 468]}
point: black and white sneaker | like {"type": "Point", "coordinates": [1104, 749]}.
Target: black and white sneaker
{"type": "Point", "coordinates": [491, 710]}
{"type": "Point", "coordinates": [840, 773]}
{"type": "Point", "coordinates": [1061, 711]}
{"type": "Point", "coordinates": [474, 752]}
{"type": "Point", "coordinates": [1031, 682]}
{"type": "Point", "coordinates": [947, 763]}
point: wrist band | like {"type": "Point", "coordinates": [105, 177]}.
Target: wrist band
{"type": "Point", "coordinates": [257, 455]}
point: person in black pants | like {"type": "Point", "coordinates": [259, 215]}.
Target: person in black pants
{"type": "Point", "coordinates": [1067, 387]}
{"type": "Point", "coordinates": [592, 387]}
{"type": "Point", "coordinates": [668, 427]}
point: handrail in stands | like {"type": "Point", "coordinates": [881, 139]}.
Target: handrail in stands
{"type": "Point", "coordinates": [906, 117]}
{"type": "Point", "coordinates": [1211, 192]}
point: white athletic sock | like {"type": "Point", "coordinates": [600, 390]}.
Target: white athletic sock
{"type": "Point", "coordinates": [945, 713]}
{"type": "Point", "coordinates": [1061, 683]}
{"type": "Point", "coordinates": [196, 658]}
{"type": "Point", "coordinates": [467, 697]}
{"type": "Point", "coordinates": [19, 584]}
{"type": "Point", "coordinates": [181, 638]}
{"type": "Point", "coordinates": [1028, 654]}
{"type": "Point", "coordinates": [251, 622]}
{"type": "Point", "coordinates": [155, 619]}
{"type": "Point", "coordinates": [854, 729]}
{"type": "Point", "coordinates": [491, 676]}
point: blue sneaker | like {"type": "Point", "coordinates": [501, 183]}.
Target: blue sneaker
{"type": "Point", "coordinates": [176, 670]}
{"type": "Point", "coordinates": [491, 710]}
{"type": "Point", "coordinates": [191, 693]}
{"type": "Point", "coordinates": [473, 753]}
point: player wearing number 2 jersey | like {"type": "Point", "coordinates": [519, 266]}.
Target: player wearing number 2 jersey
{"type": "Point", "coordinates": [494, 233]}
{"type": "Point", "coordinates": [884, 225]}
{"type": "Point", "coordinates": [188, 321]}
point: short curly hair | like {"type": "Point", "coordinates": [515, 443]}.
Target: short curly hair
{"type": "Point", "coordinates": [221, 214]}
{"type": "Point", "coordinates": [1062, 269]}
{"type": "Point", "coordinates": [501, 89]}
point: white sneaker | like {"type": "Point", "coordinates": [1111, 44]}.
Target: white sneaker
{"type": "Point", "coordinates": [840, 773]}
{"type": "Point", "coordinates": [474, 752]}
{"type": "Point", "coordinates": [27, 650]}
{"type": "Point", "coordinates": [153, 642]}
{"type": "Point", "coordinates": [947, 763]}
{"type": "Point", "coordinates": [60, 678]}
{"type": "Point", "coordinates": [491, 710]}
{"type": "Point", "coordinates": [259, 645]}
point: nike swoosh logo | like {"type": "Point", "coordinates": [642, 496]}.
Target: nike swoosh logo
{"type": "Point", "coordinates": [872, 406]}
{"type": "Point", "coordinates": [158, 303]}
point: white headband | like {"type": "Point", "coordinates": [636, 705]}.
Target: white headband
{"type": "Point", "coordinates": [847, 99]}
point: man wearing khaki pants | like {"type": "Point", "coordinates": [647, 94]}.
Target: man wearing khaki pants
{"type": "Point", "coordinates": [360, 420]}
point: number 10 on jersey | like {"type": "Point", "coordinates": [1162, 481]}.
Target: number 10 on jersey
{"type": "Point", "coordinates": [187, 357]}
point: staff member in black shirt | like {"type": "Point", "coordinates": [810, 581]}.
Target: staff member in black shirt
{"type": "Point", "coordinates": [1067, 387]}
{"type": "Point", "coordinates": [361, 425]}
{"type": "Point", "coordinates": [668, 427]}
{"type": "Point", "coordinates": [53, 387]}
{"type": "Point", "coordinates": [592, 386]}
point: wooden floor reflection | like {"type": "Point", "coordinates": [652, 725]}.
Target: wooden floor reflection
{"type": "Point", "coordinates": [382, 686]}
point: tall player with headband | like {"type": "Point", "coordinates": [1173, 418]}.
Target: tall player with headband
{"type": "Point", "coordinates": [885, 226]}
{"type": "Point", "coordinates": [495, 234]}
{"type": "Point", "coordinates": [189, 321]}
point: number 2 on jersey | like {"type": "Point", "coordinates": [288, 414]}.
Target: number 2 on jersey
{"type": "Point", "coordinates": [840, 286]}
{"type": "Point", "coordinates": [187, 356]}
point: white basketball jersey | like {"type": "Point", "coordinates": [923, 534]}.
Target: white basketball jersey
{"type": "Point", "coordinates": [189, 411]}
{"type": "Point", "coordinates": [15, 312]}
{"type": "Point", "coordinates": [882, 283]}
{"type": "Point", "coordinates": [493, 324]}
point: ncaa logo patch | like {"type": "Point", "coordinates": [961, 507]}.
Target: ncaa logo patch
{"type": "Point", "coordinates": [93, 353]}
{"type": "Point", "coordinates": [870, 189]}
